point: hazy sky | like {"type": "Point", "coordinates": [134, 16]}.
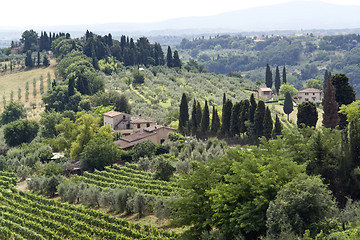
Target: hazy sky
{"type": "Point", "coordinates": [72, 12]}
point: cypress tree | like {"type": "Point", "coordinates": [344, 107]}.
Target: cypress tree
{"type": "Point", "coordinates": [198, 114]}
{"type": "Point", "coordinates": [38, 58]}
{"type": "Point", "coordinates": [307, 115]}
{"type": "Point", "coordinates": [277, 80]}
{"type": "Point", "coordinates": [193, 121]}
{"type": "Point", "coordinates": [176, 60]}
{"type": "Point", "coordinates": [205, 121]}
{"type": "Point", "coordinates": [288, 105]}
{"type": "Point", "coordinates": [184, 114]}
{"type": "Point", "coordinates": [268, 77]}
{"type": "Point", "coordinates": [169, 58]}
{"type": "Point", "coordinates": [327, 75]}
{"type": "Point", "coordinates": [46, 62]}
{"type": "Point", "coordinates": [226, 118]}
{"type": "Point", "coordinates": [344, 94]}
{"type": "Point", "coordinates": [259, 119]}
{"type": "Point", "coordinates": [235, 118]}
{"type": "Point", "coordinates": [268, 123]}
{"type": "Point", "coordinates": [244, 116]}
{"type": "Point", "coordinates": [215, 122]}
{"type": "Point", "coordinates": [330, 116]}
{"type": "Point", "coordinates": [278, 126]}
{"type": "Point", "coordinates": [284, 75]}
{"type": "Point", "coordinates": [28, 60]}
{"type": "Point", "coordinates": [252, 108]}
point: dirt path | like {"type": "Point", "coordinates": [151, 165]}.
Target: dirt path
{"type": "Point", "coordinates": [22, 186]}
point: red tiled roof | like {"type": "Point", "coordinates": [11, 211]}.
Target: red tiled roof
{"type": "Point", "coordinates": [310, 90]}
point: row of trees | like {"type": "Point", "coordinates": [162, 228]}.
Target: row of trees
{"type": "Point", "coordinates": [244, 117]}
{"type": "Point", "coordinates": [277, 82]}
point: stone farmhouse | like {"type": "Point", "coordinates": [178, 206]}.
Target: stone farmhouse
{"type": "Point", "coordinates": [135, 129]}
{"type": "Point", "coordinates": [265, 94]}
{"type": "Point", "coordinates": [309, 95]}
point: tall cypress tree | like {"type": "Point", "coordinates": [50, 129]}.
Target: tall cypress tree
{"type": "Point", "coordinates": [226, 118]}
{"type": "Point", "coordinates": [344, 94]}
{"type": "Point", "coordinates": [330, 116]}
{"type": "Point", "coordinates": [259, 119]}
{"type": "Point", "coordinates": [198, 114]}
{"type": "Point", "coordinates": [327, 75]}
{"type": "Point", "coordinates": [277, 80]}
{"type": "Point", "coordinates": [284, 75]}
{"type": "Point", "coordinates": [288, 105]}
{"type": "Point", "coordinates": [215, 122]}
{"type": "Point", "coordinates": [176, 60]}
{"type": "Point", "coordinates": [277, 126]}
{"type": "Point", "coordinates": [71, 86]}
{"type": "Point", "coordinates": [268, 77]}
{"type": "Point", "coordinates": [235, 118]}
{"type": "Point", "coordinates": [205, 121]}
{"type": "Point", "coordinates": [184, 114]}
{"type": "Point", "coordinates": [268, 123]}
{"type": "Point", "coordinates": [169, 58]}
{"type": "Point", "coordinates": [244, 116]}
{"type": "Point", "coordinates": [252, 109]}
{"type": "Point", "coordinates": [193, 121]}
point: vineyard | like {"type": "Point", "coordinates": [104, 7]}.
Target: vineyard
{"type": "Point", "coordinates": [122, 177]}
{"type": "Point", "coordinates": [28, 216]}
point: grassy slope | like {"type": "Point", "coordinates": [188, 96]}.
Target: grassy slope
{"type": "Point", "coordinates": [13, 81]}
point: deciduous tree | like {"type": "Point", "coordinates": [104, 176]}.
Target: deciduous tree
{"type": "Point", "coordinates": [307, 115]}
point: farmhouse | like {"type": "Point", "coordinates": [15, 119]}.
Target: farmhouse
{"type": "Point", "coordinates": [135, 129]}
{"type": "Point", "coordinates": [264, 93]}
{"type": "Point", "coordinates": [309, 95]}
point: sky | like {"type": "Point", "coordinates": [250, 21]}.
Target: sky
{"type": "Point", "coordinates": [82, 12]}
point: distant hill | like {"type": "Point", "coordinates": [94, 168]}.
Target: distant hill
{"type": "Point", "coordinates": [287, 16]}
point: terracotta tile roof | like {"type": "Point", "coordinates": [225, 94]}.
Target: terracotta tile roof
{"type": "Point", "coordinates": [112, 113]}
{"type": "Point", "coordinates": [310, 90]}
{"type": "Point", "coordinates": [132, 139]}
{"type": "Point", "coordinates": [265, 89]}
{"type": "Point", "coordinates": [139, 119]}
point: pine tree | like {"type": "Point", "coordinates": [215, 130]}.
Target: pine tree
{"type": "Point", "coordinates": [169, 58]}
{"type": "Point", "coordinates": [259, 119]}
{"type": "Point", "coordinates": [284, 75]}
{"type": "Point", "coordinates": [184, 114]}
{"type": "Point", "coordinates": [277, 80]}
{"type": "Point", "coordinates": [176, 60]}
{"type": "Point", "coordinates": [268, 123]}
{"type": "Point", "coordinates": [330, 116]}
{"type": "Point", "coordinates": [215, 122]}
{"type": "Point", "coordinates": [288, 105]}
{"type": "Point", "coordinates": [252, 109]}
{"type": "Point", "coordinates": [268, 77]}
{"type": "Point", "coordinates": [205, 121]}
{"type": "Point", "coordinates": [307, 115]}
{"type": "Point", "coordinates": [193, 121]}
{"type": "Point", "coordinates": [278, 126]}
{"type": "Point", "coordinates": [226, 118]}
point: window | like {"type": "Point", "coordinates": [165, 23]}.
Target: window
{"type": "Point", "coordinates": [138, 126]}
{"type": "Point", "coordinates": [123, 116]}
{"type": "Point", "coordinates": [128, 126]}
{"type": "Point", "coordinates": [306, 99]}
{"type": "Point", "coordinates": [148, 125]}
{"type": "Point", "coordinates": [306, 93]}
